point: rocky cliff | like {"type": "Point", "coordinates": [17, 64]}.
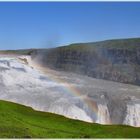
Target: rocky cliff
{"type": "Point", "coordinates": [115, 60]}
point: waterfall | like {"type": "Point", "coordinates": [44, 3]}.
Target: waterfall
{"type": "Point", "coordinates": [103, 116]}
{"type": "Point", "coordinates": [133, 115]}
{"type": "Point", "coordinates": [84, 99]}
{"type": "Point", "coordinates": [62, 106]}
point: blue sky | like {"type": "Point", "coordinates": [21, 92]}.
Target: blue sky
{"type": "Point", "coordinates": [50, 24]}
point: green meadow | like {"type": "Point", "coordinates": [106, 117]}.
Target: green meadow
{"type": "Point", "coordinates": [18, 121]}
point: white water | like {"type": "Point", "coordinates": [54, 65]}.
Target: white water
{"type": "Point", "coordinates": [103, 114]}
{"type": "Point", "coordinates": [63, 106]}
{"type": "Point", "coordinates": [133, 115]}
{"type": "Point", "coordinates": [22, 84]}
{"type": "Point", "coordinates": [25, 84]}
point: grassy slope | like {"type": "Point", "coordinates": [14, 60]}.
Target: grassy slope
{"type": "Point", "coordinates": [20, 121]}
{"type": "Point", "coordinates": [132, 43]}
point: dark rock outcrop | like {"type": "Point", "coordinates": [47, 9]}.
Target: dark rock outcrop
{"type": "Point", "coordinates": [115, 60]}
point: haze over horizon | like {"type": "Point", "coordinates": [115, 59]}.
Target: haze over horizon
{"type": "Point", "coordinates": [50, 24]}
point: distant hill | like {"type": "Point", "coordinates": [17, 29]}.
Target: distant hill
{"type": "Point", "coordinates": [18, 121]}
{"type": "Point", "coordinates": [116, 43]}
{"type": "Point", "coordinates": [17, 52]}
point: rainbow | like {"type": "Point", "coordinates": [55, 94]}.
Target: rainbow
{"type": "Point", "coordinates": [69, 88]}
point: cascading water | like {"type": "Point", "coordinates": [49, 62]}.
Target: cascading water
{"type": "Point", "coordinates": [74, 96]}
{"type": "Point", "coordinates": [133, 114]}
{"type": "Point", "coordinates": [103, 116]}
{"type": "Point", "coordinates": [69, 110]}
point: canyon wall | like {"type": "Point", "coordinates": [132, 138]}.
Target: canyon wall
{"type": "Point", "coordinates": [115, 60]}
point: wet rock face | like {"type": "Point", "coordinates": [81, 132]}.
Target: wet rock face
{"type": "Point", "coordinates": [115, 64]}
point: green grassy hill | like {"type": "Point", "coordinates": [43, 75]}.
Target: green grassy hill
{"type": "Point", "coordinates": [130, 43]}
{"type": "Point", "coordinates": [17, 52]}
{"type": "Point", "coordinates": [17, 121]}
